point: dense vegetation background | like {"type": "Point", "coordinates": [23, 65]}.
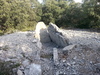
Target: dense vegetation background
{"type": "Point", "coordinates": [24, 14]}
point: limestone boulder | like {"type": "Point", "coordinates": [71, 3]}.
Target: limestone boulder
{"type": "Point", "coordinates": [41, 32]}
{"type": "Point", "coordinates": [33, 69]}
{"type": "Point", "coordinates": [55, 56]}
{"type": "Point", "coordinates": [57, 36]}
{"type": "Point", "coordinates": [19, 72]}
{"type": "Point", "coordinates": [25, 63]}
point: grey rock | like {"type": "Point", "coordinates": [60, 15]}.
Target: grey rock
{"type": "Point", "coordinates": [57, 73]}
{"type": "Point", "coordinates": [63, 60]}
{"type": "Point", "coordinates": [55, 56]}
{"type": "Point", "coordinates": [19, 72]}
{"type": "Point", "coordinates": [70, 47]}
{"type": "Point", "coordinates": [34, 41]}
{"type": "Point", "coordinates": [68, 64]}
{"type": "Point", "coordinates": [39, 44]}
{"type": "Point", "coordinates": [41, 32]}
{"type": "Point", "coordinates": [96, 68]}
{"type": "Point", "coordinates": [21, 68]}
{"type": "Point", "coordinates": [26, 62]}
{"type": "Point", "coordinates": [34, 69]}
{"type": "Point", "coordinates": [35, 55]}
{"type": "Point", "coordinates": [57, 36]}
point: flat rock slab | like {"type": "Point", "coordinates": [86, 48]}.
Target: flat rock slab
{"type": "Point", "coordinates": [33, 69]}
{"type": "Point", "coordinates": [70, 47]}
{"type": "Point", "coordinates": [57, 36]}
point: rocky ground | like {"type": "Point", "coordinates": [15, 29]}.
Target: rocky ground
{"type": "Point", "coordinates": [84, 37]}
{"type": "Point", "coordinates": [34, 58]}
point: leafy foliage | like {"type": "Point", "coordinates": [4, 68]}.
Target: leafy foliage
{"type": "Point", "coordinates": [18, 14]}
{"type": "Point", "coordinates": [24, 14]}
{"type": "Point", "coordinates": [70, 14]}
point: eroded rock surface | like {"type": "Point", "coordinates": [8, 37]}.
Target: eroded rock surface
{"type": "Point", "coordinates": [80, 60]}
{"type": "Point", "coordinates": [41, 32]}
{"type": "Point", "coordinates": [57, 36]}
{"type": "Point", "coordinates": [33, 69]}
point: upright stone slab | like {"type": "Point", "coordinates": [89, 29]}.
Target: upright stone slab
{"type": "Point", "coordinates": [55, 56]}
{"type": "Point", "coordinates": [57, 36]}
{"type": "Point", "coordinates": [41, 32]}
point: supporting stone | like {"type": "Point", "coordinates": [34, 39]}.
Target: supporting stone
{"type": "Point", "coordinates": [39, 44]}
{"type": "Point", "coordinates": [41, 32]}
{"type": "Point", "coordinates": [57, 36]}
{"type": "Point", "coordinates": [55, 56]}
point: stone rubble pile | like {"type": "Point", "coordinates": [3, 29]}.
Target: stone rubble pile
{"type": "Point", "coordinates": [47, 52]}
{"type": "Point", "coordinates": [71, 60]}
{"type": "Point", "coordinates": [79, 60]}
{"type": "Point", "coordinates": [24, 51]}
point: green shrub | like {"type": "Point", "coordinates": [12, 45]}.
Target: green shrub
{"type": "Point", "coordinates": [1, 32]}
{"type": "Point", "coordinates": [6, 68]}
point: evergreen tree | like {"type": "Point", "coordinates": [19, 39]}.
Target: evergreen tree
{"type": "Point", "coordinates": [18, 15]}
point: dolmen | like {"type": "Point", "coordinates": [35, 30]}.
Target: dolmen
{"type": "Point", "coordinates": [51, 34]}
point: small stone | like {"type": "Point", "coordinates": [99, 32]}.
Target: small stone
{"type": "Point", "coordinates": [34, 69]}
{"type": "Point", "coordinates": [96, 68]}
{"type": "Point", "coordinates": [67, 67]}
{"type": "Point", "coordinates": [70, 47]}
{"type": "Point", "coordinates": [65, 52]}
{"type": "Point", "coordinates": [75, 58]}
{"type": "Point", "coordinates": [57, 36]}
{"type": "Point", "coordinates": [64, 73]}
{"type": "Point", "coordinates": [57, 73]}
{"type": "Point", "coordinates": [34, 41]}
{"type": "Point", "coordinates": [21, 68]}
{"type": "Point", "coordinates": [25, 63]}
{"type": "Point", "coordinates": [64, 61]}
{"type": "Point", "coordinates": [19, 72]}
{"type": "Point", "coordinates": [73, 63]}
{"type": "Point", "coordinates": [68, 64]}
{"type": "Point", "coordinates": [60, 72]}
{"type": "Point", "coordinates": [39, 44]}
{"type": "Point", "coordinates": [91, 62]}
{"type": "Point", "coordinates": [55, 55]}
